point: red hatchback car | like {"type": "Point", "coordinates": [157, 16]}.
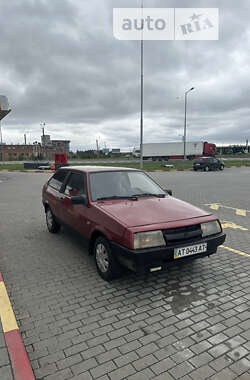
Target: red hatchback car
{"type": "Point", "coordinates": [128, 218]}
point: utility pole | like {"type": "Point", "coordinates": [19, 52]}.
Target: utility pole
{"type": "Point", "coordinates": [185, 122]}
{"type": "Point", "coordinates": [43, 140]}
{"type": "Point", "coordinates": [25, 139]}
{"type": "Point", "coordinates": [142, 83]}
{"type": "Point", "coordinates": [1, 136]}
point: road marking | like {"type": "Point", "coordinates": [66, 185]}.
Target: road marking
{"type": "Point", "coordinates": [216, 206]}
{"type": "Point", "coordinates": [241, 212]}
{"type": "Point", "coordinates": [235, 251]}
{"type": "Point", "coordinates": [7, 316]}
{"type": "Point", "coordinates": [233, 226]}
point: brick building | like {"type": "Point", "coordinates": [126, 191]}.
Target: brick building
{"type": "Point", "coordinates": [22, 152]}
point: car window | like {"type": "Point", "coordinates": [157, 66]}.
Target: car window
{"type": "Point", "coordinates": [76, 185]}
{"type": "Point", "coordinates": [123, 184]}
{"type": "Point", "coordinates": [57, 180]}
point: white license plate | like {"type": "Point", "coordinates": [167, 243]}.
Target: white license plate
{"type": "Point", "coordinates": [191, 250]}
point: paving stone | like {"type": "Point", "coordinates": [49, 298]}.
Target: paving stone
{"type": "Point", "coordinates": [218, 350]}
{"type": "Point", "coordinates": [108, 355]}
{"type": "Point", "coordinates": [69, 361]}
{"type": "Point", "coordinates": [220, 363]}
{"type": "Point", "coordinates": [6, 373]}
{"type": "Point", "coordinates": [60, 375]}
{"type": "Point", "coordinates": [202, 373]}
{"type": "Point", "coordinates": [142, 375]}
{"type": "Point", "coordinates": [4, 357]}
{"type": "Point", "coordinates": [240, 366]}
{"type": "Point", "coordinates": [103, 369]}
{"type": "Point", "coordinates": [181, 370]}
{"type": "Point", "coordinates": [225, 374]}
{"type": "Point", "coordinates": [238, 353]}
{"type": "Point", "coordinates": [201, 359]}
{"type": "Point", "coordinates": [84, 366]}
{"type": "Point", "coordinates": [144, 362]}
{"type": "Point", "coordinates": [163, 366]}
{"type": "Point", "coordinates": [122, 373]}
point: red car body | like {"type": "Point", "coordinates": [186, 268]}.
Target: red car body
{"type": "Point", "coordinates": [119, 219]}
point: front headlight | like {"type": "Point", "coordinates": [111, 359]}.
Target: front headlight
{"type": "Point", "coordinates": [148, 239]}
{"type": "Point", "coordinates": [210, 228]}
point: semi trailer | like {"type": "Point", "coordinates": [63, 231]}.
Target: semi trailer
{"type": "Point", "coordinates": [175, 150]}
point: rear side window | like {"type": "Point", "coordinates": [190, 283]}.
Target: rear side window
{"type": "Point", "coordinates": [57, 180]}
{"type": "Point", "coordinates": [76, 185]}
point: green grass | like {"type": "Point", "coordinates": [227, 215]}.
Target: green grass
{"type": "Point", "coordinates": [147, 165]}
{"type": "Point", "coordinates": [11, 167]}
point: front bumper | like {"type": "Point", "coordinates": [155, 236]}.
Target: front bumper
{"type": "Point", "coordinates": [152, 258]}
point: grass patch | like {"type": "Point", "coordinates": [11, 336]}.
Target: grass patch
{"type": "Point", "coordinates": [11, 167]}
{"type": "Point", "coordinates": [147, 165]}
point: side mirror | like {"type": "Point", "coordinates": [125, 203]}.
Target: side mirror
{"type": "Point", "coordinates": [79, 200]}
{"type": "Point", "coordinates": [168, 191]}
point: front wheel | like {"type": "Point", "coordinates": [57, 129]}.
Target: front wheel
{"type": "Point", "coordinates": [106, 264]}
{"type": "Point", "coordinates": [52, 224]}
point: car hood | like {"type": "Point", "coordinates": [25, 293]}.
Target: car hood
{"type": "Point", "coordinates": [146, 211]}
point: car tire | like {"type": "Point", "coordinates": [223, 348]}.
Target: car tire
{"type": "Point", "coordinates": [107, 265]}
{"type": "Point", "coordinates": [52, 224]}
{"type": "Point", "coordinates": [206, 168]}
{"type": "Point", "coordinates": [195, 169]}
{"type": "Point", "coordinates": [222, 167]}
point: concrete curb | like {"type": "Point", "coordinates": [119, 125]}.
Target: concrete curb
{"type": "Point", "coordinates": [18, 356]}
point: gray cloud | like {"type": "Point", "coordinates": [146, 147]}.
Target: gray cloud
{"type": "Point", "coordinates": [61, 64]}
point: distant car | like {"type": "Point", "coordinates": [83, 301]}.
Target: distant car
{"type": "Point", "coordinates": [128, 218]}
{"type": "Point", "coordinates": [208, 163]}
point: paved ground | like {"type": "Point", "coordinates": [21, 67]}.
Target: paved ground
{"type": "Point", "coordinates": [5, 366]}
{"type": "Point", "coordinates": [191, 322]}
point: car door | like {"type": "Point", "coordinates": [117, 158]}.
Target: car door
{"type": "Point", "coordinates": [210, 163]}
{"type": "Point", "coordinates": [53, 192]}
{"type": "Point", "coordinates": [215, 163]}
{"type": "Point", "coordinates": [76, 216]}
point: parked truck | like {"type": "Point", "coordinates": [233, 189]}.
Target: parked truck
{"type": "Point", "coordinates": [175, 150]}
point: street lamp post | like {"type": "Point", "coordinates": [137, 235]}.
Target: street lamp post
{"type": "Point", "coordinates": [185, 122]}
{"type": "Point", "coordinates": [142, 80]}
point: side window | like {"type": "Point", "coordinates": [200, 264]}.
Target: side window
{"type": "Point", "coordinates": [57, 180]}
{"type": "Point", "coordinates": [76, 185]}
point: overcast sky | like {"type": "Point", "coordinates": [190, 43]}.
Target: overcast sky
{"type": "Point", "coordinates": [60, 64]}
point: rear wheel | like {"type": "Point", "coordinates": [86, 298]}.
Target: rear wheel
{"type": "Point", "coordinates": [106, 264]}
{"type": "Point", "coordinates": [52, 224]}
{"type": "Point", "coordinates": [206, 169]}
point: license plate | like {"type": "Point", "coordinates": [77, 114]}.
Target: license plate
{"type": "Point", "coordinates": [191, 250]}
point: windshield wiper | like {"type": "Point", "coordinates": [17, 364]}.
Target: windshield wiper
{"type": "Point", "coordinates": [117, 197]}
{"type": "Point", "coordinates": [149, 195]}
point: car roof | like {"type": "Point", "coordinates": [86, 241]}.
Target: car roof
{"type": "Point", "coordinates": [94, 169]}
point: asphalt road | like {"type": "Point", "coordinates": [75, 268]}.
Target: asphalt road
{"type": "Point", "coordinates": [190, 322]}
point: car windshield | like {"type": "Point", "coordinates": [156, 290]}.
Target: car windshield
{"type": "Point", "coordinates": [122, 184]}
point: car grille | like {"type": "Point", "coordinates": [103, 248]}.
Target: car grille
{"type": "Point", "coordinates": [182, 235]}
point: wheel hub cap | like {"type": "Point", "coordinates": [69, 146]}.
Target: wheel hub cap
{"type": "Point", "coordinates": [102, 257]}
